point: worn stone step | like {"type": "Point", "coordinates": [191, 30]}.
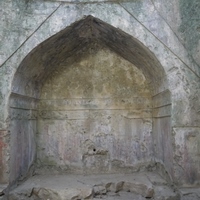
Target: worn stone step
{"type": "Point", "coordinates": [79, 187]}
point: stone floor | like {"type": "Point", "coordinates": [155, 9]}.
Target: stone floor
{"type": "Point", "coordinates": [138, 186]}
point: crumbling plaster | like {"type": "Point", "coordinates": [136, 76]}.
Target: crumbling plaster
{"type": "Point", "coordinates": [26, 24]}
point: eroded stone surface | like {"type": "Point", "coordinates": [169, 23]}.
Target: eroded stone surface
{"type": "Point", "coordinates": [68, 187]}
{"type": "Point", "coordinates": [189, 193]}
{"type": "Point", "coordinates": [165, 193]}
{"type": "Point", "coordinates": [95, 115]}
{"type": "Point", "coordinates": [158, 24]}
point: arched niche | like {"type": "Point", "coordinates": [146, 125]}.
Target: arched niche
{"type": "Point", "coordinates": [86, 100]}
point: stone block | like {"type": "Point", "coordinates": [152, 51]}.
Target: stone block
{"type": "Point", "coordinates": [139, 188]}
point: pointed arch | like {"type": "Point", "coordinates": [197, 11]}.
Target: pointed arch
{"type": "Point", "coordinates": [69, 46]}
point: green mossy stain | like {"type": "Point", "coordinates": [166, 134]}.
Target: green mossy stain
{"type": "Point", "coordinates": [190, 26]}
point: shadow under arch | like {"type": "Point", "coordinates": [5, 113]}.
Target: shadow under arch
{"type": "Point", "coordinates": [69, 46]}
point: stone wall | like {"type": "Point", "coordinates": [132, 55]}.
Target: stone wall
{"type": "Point", "coordinates": [95, 116]}
{"type": "Point", "coordinates": [155, 25]}
{"type": "Point", "coordinates": [163, 148]}
{"type": "Point", "coordinates": [22, 123]}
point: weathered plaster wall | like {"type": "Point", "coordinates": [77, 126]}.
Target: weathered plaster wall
{"type": "Point", "coordinates": [162, 137]}
{"type": "Point", "coordinates": [4, 152]}
{"type": "Point", "coordinates": [95, 116]}
{"type": "Point", "coordinates": [182, 17]}
{"type": "Point", "coordinates": [26, 24]}
{"type": "Point", "coordinates": [23, 115]}
{"type": "Point", "coordinates": [62, 50]}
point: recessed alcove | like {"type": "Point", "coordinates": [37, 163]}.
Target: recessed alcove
{"type": "Point", "coordinates": [95, 116]}
{"type": "Point", "coordinates": [90, 99]}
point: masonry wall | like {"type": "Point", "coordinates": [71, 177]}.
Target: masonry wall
{"type": "Point", "coordinates": [95, 116]}
{"type": "Point", "coordinates": [162, 128]}
{"type": "Point", "coordinates": [156, 25]}
{"type": "Point", "coordinates": [22, 127]}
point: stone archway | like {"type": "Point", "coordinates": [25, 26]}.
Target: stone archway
{"type": "Point", "coordinates": [41, 97]}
